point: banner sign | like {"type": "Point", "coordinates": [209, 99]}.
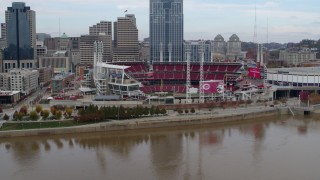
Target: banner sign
{"type": "Point", "coordinates": [212, 87]}
{"type": "Point", "coordinates": [254, 72]}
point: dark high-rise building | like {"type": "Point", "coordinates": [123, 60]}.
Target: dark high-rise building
{"type": "Point", "coordinates": [20, 36]}
{"type": "Point", "coordinates": [166, 30]}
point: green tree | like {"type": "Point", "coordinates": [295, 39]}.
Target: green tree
{"type": "Point", "coordinates": [45, 114]}
{"type": "Point", "coordinates": [186, 111]}
{"type": "Point", "coordinates": [192, 110]}
{"type": "Point", "coordinates": [146, 111]}
{"type": "Point", "coordinates": [152, 110]}
{"type": "Point", "coordinates": [157, 110]}
{"type": "Point", "coordinates": [38, 108]}
{"type": "Point", "coordinates": [34, 115]}
{"type": "Point", "coordinates": [163, 111]}
{"type": "Point", "coordinates": [19, 116]}
{"type": "Point", "coordinates": [58, 114]}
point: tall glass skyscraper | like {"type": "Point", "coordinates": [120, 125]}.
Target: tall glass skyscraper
{"type": "Point", "coordinates": [20, 34]}
{"type": "Point", "coordinates": [166, 31]}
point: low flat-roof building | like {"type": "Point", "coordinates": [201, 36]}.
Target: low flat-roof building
{"type": "Point", "coordinates": [45, 76]}
{"type": "Point", "coordinates": [9, 97]}
{"type": "Point", "coordinates": [294, 58]}
{"type": "Point", "coordinates": [61, 82]}
{"type": "Point", "coordinates": [59, 61]}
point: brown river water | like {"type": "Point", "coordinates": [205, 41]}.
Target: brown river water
{"type": "Point", "coordinates": [276, 148]}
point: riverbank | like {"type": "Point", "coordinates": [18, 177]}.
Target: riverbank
{"type": "Point", "coordinates": [223, 116]}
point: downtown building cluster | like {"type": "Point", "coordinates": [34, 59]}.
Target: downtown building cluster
{"type": "Point", "coordinates": [22, 48]}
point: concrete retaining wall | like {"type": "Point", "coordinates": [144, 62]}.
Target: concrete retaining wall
{"type": "Point", "coordinates": [141, 124]}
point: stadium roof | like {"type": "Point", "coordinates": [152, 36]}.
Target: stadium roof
{"type": "Point", "coordinates": [112, 66]}
{"type": "Point", "coordinates": [297, 70]}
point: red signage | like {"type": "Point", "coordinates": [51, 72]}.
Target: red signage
{"type": "Point", "coordinates": [254, 72]}
{"type": "Point", "coordinates": [214, 86]}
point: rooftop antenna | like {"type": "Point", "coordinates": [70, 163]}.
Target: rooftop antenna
{"type": "Point", "coordinates": [267, 30]}
{"type": "Point", "coordinates": [255, 23]}
{"type": "Point", "coordinates": [59, 28]}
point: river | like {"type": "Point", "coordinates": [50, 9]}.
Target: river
{"type": "Point", "coordinates": [284, 148]}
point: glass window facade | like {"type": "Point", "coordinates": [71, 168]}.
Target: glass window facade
{"type": "Point", "coordinates": [166, 30]}
{"type": "Point", "coordinates": [19, 40]}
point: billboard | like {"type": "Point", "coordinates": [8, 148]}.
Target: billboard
{"type": "Point", "coordinates": [254, 72]}
{"type": "Point", "coordinates": [212, 87]}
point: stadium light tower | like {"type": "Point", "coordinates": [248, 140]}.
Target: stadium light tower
{"type": "Point", "coordinates": [188, 83]}
{"type": "Point", "coordinates": [201, 90]}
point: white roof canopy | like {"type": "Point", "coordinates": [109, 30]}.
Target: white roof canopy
{"type": "Point", "coordinates": [112, 66]}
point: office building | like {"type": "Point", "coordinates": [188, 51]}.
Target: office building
{"type": "Point", "coordinates": [126, 44]}
{"type": "Point", "coordinates": [59, 61]}
{"type": "Point", "coordinates": [3, 30]}
{"type": "Point", "coordinates": [61, 82]}
{"type": "Point", "coordinates": [42, 36]}
{"type": "Point", "coordinates": [45, 76]}
{"type": "Point", "coordinates": [166, 30]}
{"type": "Point", "coordinates": [219, 48]}
{"type": "Point", "coordinates": [233, 48]}
{"type": "Point", "coordinates": [23, 80]}
{"type": "Point", "coordinates": [20, 36]}
{"type": "Point", "coordinates": [102, 27]}
{"type": "Point", "coordinates": [1, 59]}
{"type": "Point", "coordinates": [87, 44]}
{"type": "Point", "coordinates": [196, 50]}
{"type": "Point", "coordinates": [296, 57]}
{"type": "Point", "coordinates": [3, 42]}
{"type": "Point", "coordinates": [41, 49]}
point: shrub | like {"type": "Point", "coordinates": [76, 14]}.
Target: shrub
{"type": "Point", "coordinates": [157, 110]}
{"type": "Point", "coordinates": [34, 115]}
{"type": "Point", "coordinates": [45, 114]}
{"type": "Point", "coordinates": [15, 115]}
{"type": "Point", "coordinates": [38, 108]}
{"type": "Point", "coordinates": [163, 111]}
{"type": "Point", "coordinates": [58, 114]}
{"type": "Point", "coordinates": [19, 116]}
{"type": "Point", "coordinates": [186, 111]}
{"type": "Point", "coordinates": [249, 101]}
{"type": "Point", "coordinates": [24, 110]}
{"type": "Point", "coordinates": [69, 111]}
{"type": "Point", "coordinates": [193, 110]}
{"type": "Point", "coordinates": [53, 110]}
{"type": "Point", "coordinates": [180, 111]}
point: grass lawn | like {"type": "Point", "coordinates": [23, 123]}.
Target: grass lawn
{"type": "Point", "coordinates": [38, 125]}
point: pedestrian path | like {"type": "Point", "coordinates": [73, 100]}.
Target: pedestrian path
{"type": "Point", "coordinates": [1, 122]}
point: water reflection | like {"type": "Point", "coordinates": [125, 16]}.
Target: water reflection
{"type": "Point", "coordinates": [166, 154]}
{"type": "Point", "coordinates": [181, 153]}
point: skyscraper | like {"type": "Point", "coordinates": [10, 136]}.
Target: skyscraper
{"type": "Point", "coordinates": [126, 45]}
{"type": "Point", "coordinates": [166, 30]}
{"type": "Point", "coordinates": [3, 31]}
{"type": "Point", "coordinates": [20, 36]}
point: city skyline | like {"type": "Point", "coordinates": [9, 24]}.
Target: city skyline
{"type": "Point", "coordinates": [288, 20]}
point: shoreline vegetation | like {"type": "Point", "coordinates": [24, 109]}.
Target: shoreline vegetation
{"type": "Point", "coordinates": [33, 128]}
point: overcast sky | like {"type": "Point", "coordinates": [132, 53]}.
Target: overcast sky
{"type": "Point", "coordinates": [288, 20]}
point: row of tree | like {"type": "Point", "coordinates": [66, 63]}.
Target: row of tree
{"type": "Point", "coordinates": [34, 115]}
{"type": "Point", "coordinates": [95, 114]}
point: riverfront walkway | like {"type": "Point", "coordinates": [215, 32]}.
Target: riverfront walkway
{"type": "Point", "coordinates": [203, 114]}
